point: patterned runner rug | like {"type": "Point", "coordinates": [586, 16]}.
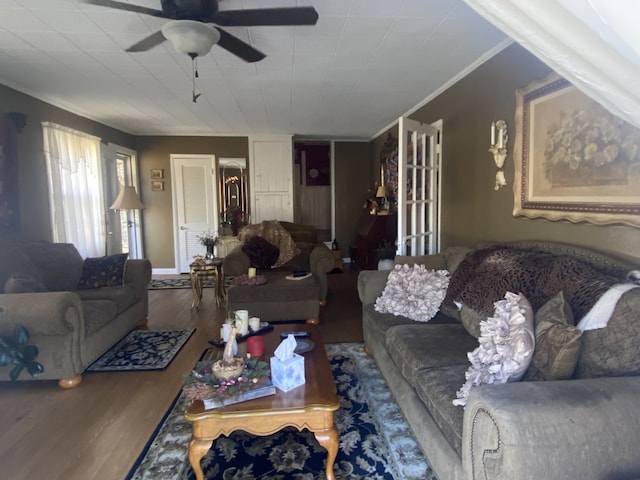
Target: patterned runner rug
{"type": "Point", "coordinates": [182, 282]}
{"type": "Point", "coordinates": [143, 350]}
{"type": "Point", "coordinates": [375, 439]}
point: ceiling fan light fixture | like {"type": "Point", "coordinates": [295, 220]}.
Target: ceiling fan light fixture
{"type": "Point", "coordinates": [191, 37]}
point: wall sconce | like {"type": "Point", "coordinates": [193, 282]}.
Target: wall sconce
{"type": "Point", "coordinates": [499, 150]}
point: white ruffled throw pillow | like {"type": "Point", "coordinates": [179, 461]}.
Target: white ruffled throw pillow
{"type": "Point", "coordinates": [414, 292]}
{"type": "Point", "coordinates": [507, 342]}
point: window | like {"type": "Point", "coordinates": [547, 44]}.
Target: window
{"type": "Point", "coordinates": [75, 188]}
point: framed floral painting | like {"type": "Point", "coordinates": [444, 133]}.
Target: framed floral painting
{"type": "Point", "coordinates": [573, 159]}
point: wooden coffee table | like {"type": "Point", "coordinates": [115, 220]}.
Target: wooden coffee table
{"type": "Point", "coordinates": [309, 406]}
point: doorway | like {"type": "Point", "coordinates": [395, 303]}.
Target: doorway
{"type": "Point", "coordinates": [195, 207]}
{"type": "Point", "coordinates": [312, 186]}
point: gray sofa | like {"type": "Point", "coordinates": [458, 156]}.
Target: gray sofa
{"type": "Point", "coordinates": [314, 256]}
{"type": "Point", "coordinates": [585, 427]}
{"type": "Point", "coordinates": [49, 289]}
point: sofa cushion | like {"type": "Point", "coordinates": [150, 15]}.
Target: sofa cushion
{"type": "Point", "coordinates": [418, 345]}
{"type": "Point", "coordinates": [557, 342]}
{"type": "Point", "coordinates": [124, 296]}
{"type": "Point", "coordinates": [613, 350]}
{"type": "Point", "coordinates": [13, 259]}
{"type": "Point", "coordinates": [23, 282]}
{"type": "Point", "coordinates": [59, 264]}
{"type": "Point", "coordinates": [507, 342]}
{"type": "Point", "coordinates": [107, 271]}
{"type": "Point", "coordinates": [414, 292]}
{"type": "Point", "coordinates": [436, 387]}
{"type": "Point", "coordinates": [302, 259]}
{"type": "Point", "coordinates": [97, 314]}
{"type": "Point", "coordinates": [471, 320]}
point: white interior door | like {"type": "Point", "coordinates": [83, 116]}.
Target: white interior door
{"type": "Point", "coordinates": [271, 170]}
{"type": "Point", "coordinates": [195, 208]}
{"type": "Point", "coordinates": [419, 157]}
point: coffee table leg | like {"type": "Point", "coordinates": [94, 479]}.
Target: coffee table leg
{"type": "Point", "coordinates": [197, 449]}
{"type": "Point", "coordinates": [329, 440]}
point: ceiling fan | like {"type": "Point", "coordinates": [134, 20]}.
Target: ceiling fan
{"type": "Point", "coordinates": [190, 13]}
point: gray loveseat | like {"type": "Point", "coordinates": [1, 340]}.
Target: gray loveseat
{"type": "Point", "coordinates": [585, 427]}
{"type": "Point", "coordinates": [49, 289]}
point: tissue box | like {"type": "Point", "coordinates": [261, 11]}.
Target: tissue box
{"type": "Point", "coordinates": [287, 374]}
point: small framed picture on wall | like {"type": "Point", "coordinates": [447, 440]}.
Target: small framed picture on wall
{"type": "Point", "coordinates": [157, 185]}
{"type": "Point", "coordinates": [157, 174]}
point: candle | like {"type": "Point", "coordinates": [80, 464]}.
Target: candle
{"type": "Point", "coordinates": [493, 133]}
{"type": "Point", "coordinates": [252, 272]}
{"type": "Point", "coordinates": [500, 138]}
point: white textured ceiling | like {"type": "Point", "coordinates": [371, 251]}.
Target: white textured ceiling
{"type": "Point", "coordinates": [365, 63]}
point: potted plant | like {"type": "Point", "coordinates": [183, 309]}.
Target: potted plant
{"type": "Point", "coordinates": [15, 350]}
{"type": "Point", "coordinates": [385, 253]}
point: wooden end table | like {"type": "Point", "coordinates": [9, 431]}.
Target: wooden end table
{"type": "Point", "coordinates": [198, 271]}
{"type": "Point", "coordinates": [309, 406]}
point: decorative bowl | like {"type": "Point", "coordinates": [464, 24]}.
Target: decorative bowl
{"type": "Point", "coordinates": [225, 372]}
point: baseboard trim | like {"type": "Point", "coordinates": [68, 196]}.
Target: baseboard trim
{"type": "Point", "coordinates": [164, 271]}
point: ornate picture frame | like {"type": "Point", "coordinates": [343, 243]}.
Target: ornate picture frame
{"type": "Point", "coordinates": [573, 159]}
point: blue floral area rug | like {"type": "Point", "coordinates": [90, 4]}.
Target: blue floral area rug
{"type": "Point", "coordinates": [143, 350]}
{"type": "Point", "coordinates": [375, 439]}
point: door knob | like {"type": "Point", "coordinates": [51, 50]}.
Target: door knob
{"type": "Point", "coordinates": [182, 227]}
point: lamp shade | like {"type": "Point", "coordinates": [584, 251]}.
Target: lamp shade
{"type": "Point", "coordinates": [190, 37]}
{"type": "Point", "coordinates": [381, 192]}
{"type": "Point", "coordinates": [127, 200]}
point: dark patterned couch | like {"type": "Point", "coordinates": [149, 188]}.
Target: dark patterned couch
{"type": "Point", "coordinates": [585, 427]}
{"type": "Point", "coordinates": [74, 309]}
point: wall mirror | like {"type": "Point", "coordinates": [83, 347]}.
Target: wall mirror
{"type": "Point", "coordinates": [233, 193]}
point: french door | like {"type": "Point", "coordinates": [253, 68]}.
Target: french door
{"type": "Point", "coordinates": [123, 232]}
{"type": "Point", "coordinates": [419, 159]}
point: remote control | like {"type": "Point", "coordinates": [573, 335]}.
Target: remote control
{"type": "Point", "coordinates": [295, 334]}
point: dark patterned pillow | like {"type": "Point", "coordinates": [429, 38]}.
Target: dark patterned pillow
{"type": "Point", "coordinates": [261, 253]}
{"type": "Point", "coordinates": [613, 351]}
{"type": "Point", "coordinates": [103, 271]}
{"type": "Point", "coordinates": [557, 342]}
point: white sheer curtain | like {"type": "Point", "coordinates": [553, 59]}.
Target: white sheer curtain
{"type": "Point", "coordinates": [595, 44]}
{"type": "Point", "coordinates": [75, 188]}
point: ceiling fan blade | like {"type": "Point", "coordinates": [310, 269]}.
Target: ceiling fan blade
{"type": "Point", "coordinates": [147, 43]}
{"type": "Point", "coordinates": [266, 16]}
{"type": "Point", "coordinates": [127, 7]}
{"type": "Point", "coordinates": [239, 47]}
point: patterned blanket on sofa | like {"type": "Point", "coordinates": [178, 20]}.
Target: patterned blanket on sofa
{"type": "Point", "coordinates": [484, 276]}
{"type": "Point", "coordinates": [275, 234]}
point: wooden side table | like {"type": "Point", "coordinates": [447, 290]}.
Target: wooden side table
{"type": "Point", "coordinates": [198, 271]}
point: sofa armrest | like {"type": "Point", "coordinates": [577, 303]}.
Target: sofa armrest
{"type": "Point", "coordinates": [138, 274]}
{"type": "Point", "coordinates": [321, 261]}
{"type": "Point", "coordinates": [588, 429]}
{"type": "Point", "coordinates": [236, 262]}
{"type": "Point", "coordinates": [370, 284]}
{"type": "Point", "coordinates": [43, 313]}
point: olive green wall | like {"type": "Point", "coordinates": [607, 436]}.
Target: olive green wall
{"type": "Point", "coordinates": [352, 179]}
{"type": "Point", "coordinates": [155, 152]}
{"type": "Point", "coordinates": [472, 210]}
{"type": "Point", "coordinates": [35, 222]}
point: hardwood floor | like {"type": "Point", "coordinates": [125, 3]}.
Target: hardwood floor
{"type": "Point", "coordinates": [98, 429]}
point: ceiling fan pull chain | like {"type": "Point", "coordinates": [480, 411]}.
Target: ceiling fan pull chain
{"type": "Point", "coordinates": [194, 75]}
